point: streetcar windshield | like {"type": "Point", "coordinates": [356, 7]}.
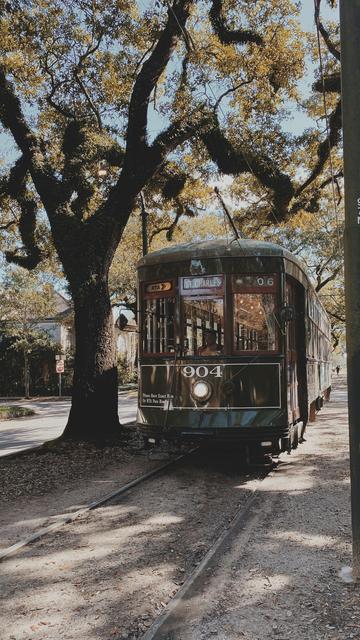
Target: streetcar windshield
{"type": "Point", "coordinates": [204, 325]}
{"type": "Point", "coordinates": [255, 326]}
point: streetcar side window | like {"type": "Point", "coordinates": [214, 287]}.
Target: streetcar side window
{"type": "Point", "coordinates": [158, 311]}
{"type": "Point", "coordinates": [158, 325]}
{"type": "Point", "coordinates": [255, 325]}
{"type": "Point", "coordinates": [203, 325]}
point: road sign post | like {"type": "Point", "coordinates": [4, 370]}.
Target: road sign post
{"type": "Point", "coordinates": [60, 367]}
{"type": "Point", "coordinates": [350, 81]}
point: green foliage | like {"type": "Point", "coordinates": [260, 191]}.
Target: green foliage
{"type": "Point", "coordinates": [27, 353]}
{"type": "Point", "coordinates": [126, 373]}
{"type": "Point", "coordinates": [6, 413]}
{"type": "Point", "coordinates": [42, 377]}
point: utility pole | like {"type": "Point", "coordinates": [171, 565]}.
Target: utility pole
{"type": "Point", "coordinates": [144, 225]}
{"type": "Point", "coordinates": [350, 80]}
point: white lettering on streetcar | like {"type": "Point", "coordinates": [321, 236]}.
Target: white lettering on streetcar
{"type": "Point", "coordinates": [202, 371]}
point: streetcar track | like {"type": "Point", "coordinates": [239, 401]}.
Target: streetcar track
{"type": "Point", "coordinates": [240, 519]}
{"type": "Point", "coordinates": [68, 518]}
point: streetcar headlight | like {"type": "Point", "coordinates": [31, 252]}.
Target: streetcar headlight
{"type": "Point", "coordinates": [201, 390]}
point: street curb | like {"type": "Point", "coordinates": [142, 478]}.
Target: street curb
{"type": "Point", "coordinates": [38, 447]}
{"type": "Point", "coordinates": [124, 387]}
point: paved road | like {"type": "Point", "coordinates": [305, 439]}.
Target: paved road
{"type": "Point", "coordinates": [49, 422]}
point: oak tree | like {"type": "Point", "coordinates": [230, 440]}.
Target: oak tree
{"type": "Point", "coordinates": [83, 86]}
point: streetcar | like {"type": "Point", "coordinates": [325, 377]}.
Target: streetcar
{"type": "Point", "coordinates": [234, 345]}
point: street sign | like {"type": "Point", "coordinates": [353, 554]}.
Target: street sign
{"type": "Point", "coordinates": [60, 366]}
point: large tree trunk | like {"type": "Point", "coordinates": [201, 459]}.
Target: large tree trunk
{"type": "Point", "coordinates": [94, 410]}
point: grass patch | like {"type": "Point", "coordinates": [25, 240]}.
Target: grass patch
{"type": "Point", "coordinates": [6, 413]}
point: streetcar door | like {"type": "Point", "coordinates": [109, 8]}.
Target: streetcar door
{"type": "Point", "coordinates": [292, 344]}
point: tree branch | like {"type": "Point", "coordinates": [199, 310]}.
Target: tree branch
{"type": "Point", "coordinates": [148, 78]}
{"type": "Point", "coordinates": [322, 284]}
{"type": "Point", "coordinates": [231, 90]}
{"type": "Point", "coordinates": [12, 118]}
{"type": "Point", "coordinates": [324, 148]}
{"type": "Point", "coordinates": [230, 36]}
{"type": "Point", "coordinates": [177, 133]}
{"type": "Point", "coordinates": [89, 100]}
{"type": "Point", "coordinates": [336, 316]}
{"type": "Point", "coordinates": [27, 229]}
{"type": "Point", "coordinates": [325, 34]}
{"type": "Point", "coordinates": [331, 84]}
{"type": "Point", "coordinates": [7, 226]}
{"type": "Point", "coordinates": [233, 160]}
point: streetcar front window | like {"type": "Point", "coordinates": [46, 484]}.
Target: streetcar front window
{"type": "Point", "coordinates": [203, 325]}
{"type": "Point", "coordinates": [255, 325]}
{"type": "Point", "coordinates": [158, 327]}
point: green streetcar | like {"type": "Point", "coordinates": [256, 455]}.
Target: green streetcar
{"type": "Point", "coordinates": [234, 345]}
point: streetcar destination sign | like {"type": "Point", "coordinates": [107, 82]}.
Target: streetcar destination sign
{"type": "Point", "coordinates": [202, 282]}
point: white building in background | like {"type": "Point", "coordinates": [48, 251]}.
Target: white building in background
{"type": "Point", "coordinates": [60, 328]}
{"type": "Point", "coordinates": [60, 325]}
{"type": "Point", "coordinates": [127, 340]}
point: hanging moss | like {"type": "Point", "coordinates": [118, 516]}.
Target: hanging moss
{"type": "Point", "coordinates": [174, 185]}
{"type": "Point", "coordinates": [234, 160]}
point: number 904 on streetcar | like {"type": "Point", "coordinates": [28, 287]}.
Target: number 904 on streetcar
{"type": "Point", "coordinates": [234, 345]}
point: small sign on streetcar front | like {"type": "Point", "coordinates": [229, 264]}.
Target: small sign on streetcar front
{"type": "Point", "coordinates": [265, 282]}
{"type": "Point", "coordinates": [158, 287]}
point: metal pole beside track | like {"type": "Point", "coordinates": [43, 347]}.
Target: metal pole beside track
{"type": "Point", "coordinates": [144, 225]}
{"type": "Point", "coordinates": [350, 79]}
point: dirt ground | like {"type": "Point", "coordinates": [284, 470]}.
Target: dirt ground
{"type": "Point", "coordinates": [38, 489]}
{"type": "Point", "coordinates": [108, 575]}
{"type": "Point", "coordinates": [279, 577]}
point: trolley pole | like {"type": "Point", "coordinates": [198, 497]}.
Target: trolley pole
{"type": "Point", "coordinates": [350, 77]}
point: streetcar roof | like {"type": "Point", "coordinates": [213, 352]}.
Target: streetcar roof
{"type": "Point", "coordinates": [220, 248]}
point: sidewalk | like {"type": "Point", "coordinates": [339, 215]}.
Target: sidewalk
{"type": "Point", "coordinates": [278, 577]}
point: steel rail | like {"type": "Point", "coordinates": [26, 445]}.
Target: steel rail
{"type": "Point", "coordinates": [40, 533]}
{"type": "Point", "coordinates": [243, 515]}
